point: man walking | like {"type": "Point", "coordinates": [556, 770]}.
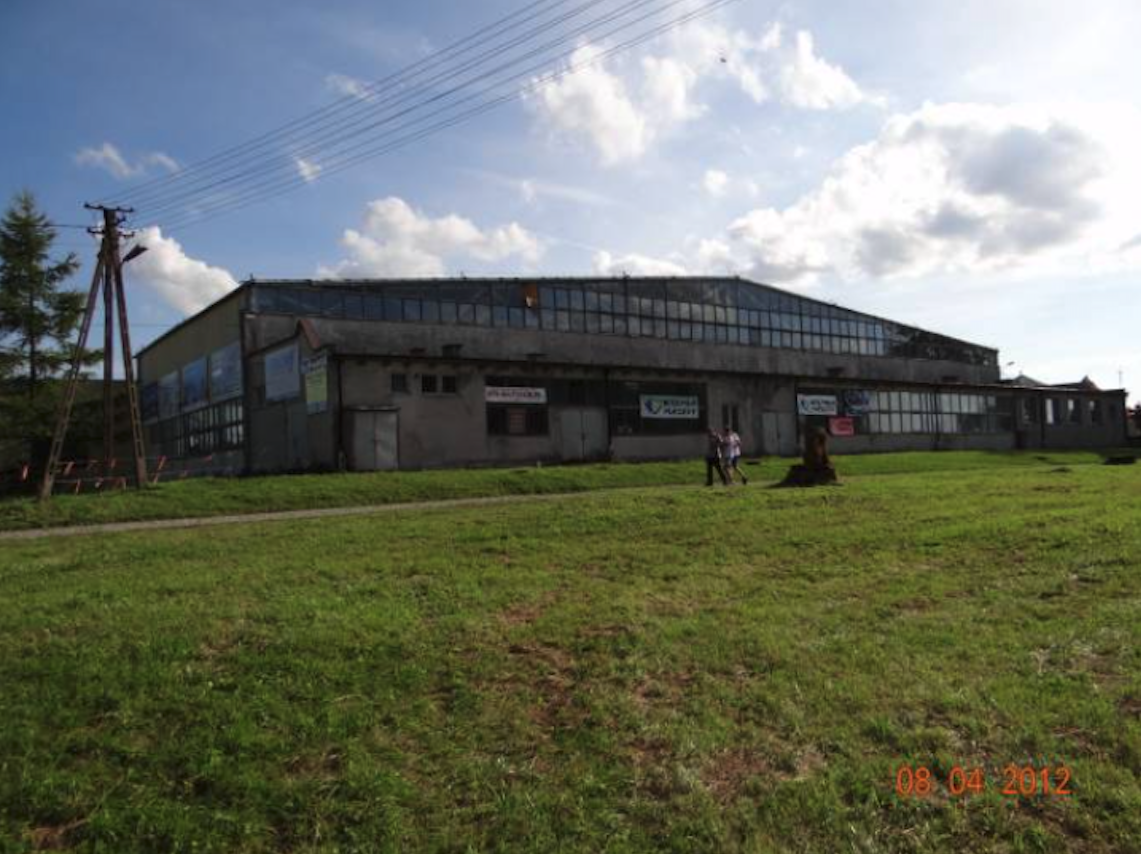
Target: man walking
{"type": "Point", "coordinates": [714, 452]}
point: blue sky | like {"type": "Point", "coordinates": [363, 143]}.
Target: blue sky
{"type": "Point", "coordinates": [967, 169]}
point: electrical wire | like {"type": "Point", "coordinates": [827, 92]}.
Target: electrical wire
{"type": "Point", "coordinates": [278, 185]}
{"type": "Point", "coordinates": [336, 136]}
{"type": "Point", "coordinates": [456, 48]}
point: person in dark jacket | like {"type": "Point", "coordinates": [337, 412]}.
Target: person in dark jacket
{"type": "Point", "coordinates": [714, 454]}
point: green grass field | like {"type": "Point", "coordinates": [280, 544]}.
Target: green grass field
{"type": "Point", "coordinates": [651, 669]}
{"type": "Point", "coordinates": [221, 496]}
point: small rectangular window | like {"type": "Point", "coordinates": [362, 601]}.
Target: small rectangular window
{"type": "Point", "coordinates": [428, 383]}
{"type": "Point", "coordinates": [400, 383]}
{"type": "Point", "coordinates": [448, 384]}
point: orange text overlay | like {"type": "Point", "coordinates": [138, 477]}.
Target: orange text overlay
{"type": "Point", "coordinates": [1017, 781]}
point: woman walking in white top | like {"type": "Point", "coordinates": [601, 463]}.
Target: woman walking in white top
{"type": "Point", "coordinates": [732, 444]}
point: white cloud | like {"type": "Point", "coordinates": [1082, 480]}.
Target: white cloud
{"type": "Point", "coordinates": [633, 264]}
{"type": "Point", "coordinates": [111, 160]}
{"type": "Point", "coordinates": [184, 282]}
{"type": "Point", "coordinates": [955, 188]}
{"type": "Point", "coordinates": [307, 169]}
{"type": "Point", "coordinates": [595, 104]}
{"type": "Point", "coordinates": [397, 240]}
{"type": "Point", "coordinates": [345, 85]}
{"type": "Point", "coordinates": [715, 182]}
{"type": "Point", "coordinates": [809, 82]}
{"type": "Point", "coordinates": [621, 108]}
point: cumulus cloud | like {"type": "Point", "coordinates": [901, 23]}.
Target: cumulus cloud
{"type": "Point", "coordinates": [184, 282]}
{"type": "Point", "coordinates": [342, 84]}
{"type": "Point", "coordinates": [595, 104]}
{"type": "Point", "coordinates": [715, 182]}
{"type": "Point", "coordinates": [397, 240]}
{"type": "Point", "coordinates": [633, 264]}
{"type": "Point", "coordinates": [952, 187]}
{"type": "Point", "coordinates": [108, 158]}
{"type": "Point", "coordinates": [620, 109]}
{"type": "Point", "coordinates": [307, 169]}
{"type": "Point", "coordinates": [804, 79]}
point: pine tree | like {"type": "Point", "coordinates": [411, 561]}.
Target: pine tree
{"type": "Point", "coordinates": [38, 322]}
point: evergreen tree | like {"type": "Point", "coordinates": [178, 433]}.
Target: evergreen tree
{"type": "Point", "coordinates": [38, 324]}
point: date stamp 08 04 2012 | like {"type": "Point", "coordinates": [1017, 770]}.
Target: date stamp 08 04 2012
{"type": "Point", "coordinates": [1018, 781]}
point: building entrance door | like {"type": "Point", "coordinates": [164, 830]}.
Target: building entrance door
{"type": "Point", "coordinates": [583, 434]}
{"type": "Point", "coordinates": [373, 443]}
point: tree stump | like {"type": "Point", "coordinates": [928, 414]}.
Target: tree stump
{"type": "Point", "coordinates": [816, 469]}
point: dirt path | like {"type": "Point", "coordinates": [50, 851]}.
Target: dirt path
{"type": "Point", "coordinates": [289, 515]}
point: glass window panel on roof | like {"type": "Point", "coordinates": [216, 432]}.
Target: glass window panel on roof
{"type": "Point", "coordinates": [482, 315]}
{"type": "Point", "coordinates": [332, 302]}
{"type": "Point", "coordinates": [354, 305]}
{"type": "Point", "coordinates": [430, 311]}
{"type": "Point", "coordinates": [447, 312]}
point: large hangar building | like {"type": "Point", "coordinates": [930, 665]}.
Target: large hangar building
{"type": "Point", "coordinates": [293, 375]}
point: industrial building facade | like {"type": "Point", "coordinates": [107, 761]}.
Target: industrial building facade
{"type": "Point", "coordinates": [300, 375]}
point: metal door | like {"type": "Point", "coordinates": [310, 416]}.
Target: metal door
{"type": "Point", "coordinates": [374, 444]}
{"type": "Point", "coordinates": [583, 433]}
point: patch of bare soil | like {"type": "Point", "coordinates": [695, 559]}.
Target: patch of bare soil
{"type": "Point", "coordinates": [54, 838]}
{"type": "Point", "coordinates": [1130, 707]}
{"type": "Point", "coordinates": [324, 766]}
{"type": "Point", "coordinates": [662, 689]}
{"type": "Point", "coordinates": [727, 773]}
{"type": "Point", "coordinates": [556, 683]}
{"type": "Point", "coordinates": [525, 613]}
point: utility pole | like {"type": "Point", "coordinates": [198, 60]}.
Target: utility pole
{"type": "Point", "coordinates": [108, 277]}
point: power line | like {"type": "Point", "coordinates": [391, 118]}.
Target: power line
{"type": "Point", "coordinates": [349, 100]}
{"type": "Point", "coordinates": [337, 134]}
{"type": "Point", "coordinates": [276, 186]}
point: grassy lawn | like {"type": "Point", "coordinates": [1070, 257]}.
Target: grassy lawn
{"type": "Point", "coordinates": [222, 496]}
{"type": "Point", "coordinates": [644, 670]}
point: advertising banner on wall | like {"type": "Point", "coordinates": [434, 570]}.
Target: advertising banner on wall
{"type": "Point", "coordinates": [226, 372]}
{"type": "Point", "coordinates": [857, 402]}
{"type": "Point", "coordinates": [816, 404]}
{"type": "Point", "coordinates": [842, 426]}
{"type": "Point", "coordinates": [168, 395]}
{"type": "Point", "coordinates": [316, 375]}
{"type": "Point", "coordinates": [194, 384]}
{"type": "Point", "coordinates": [282, 379]}
{"type": "Point", "coordinates": [511, 394]}
{"type": "Point", "coordinates": [686, 407]}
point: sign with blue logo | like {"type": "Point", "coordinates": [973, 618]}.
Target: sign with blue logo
{"type": "Point", "coordinates": [686, 407]}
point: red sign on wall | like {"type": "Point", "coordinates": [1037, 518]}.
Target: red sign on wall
{"type": "Point", "coordinates": [842, 426]}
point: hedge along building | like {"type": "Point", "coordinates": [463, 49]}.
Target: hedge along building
{"type": "Point", "coordinates": [302, 375]}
